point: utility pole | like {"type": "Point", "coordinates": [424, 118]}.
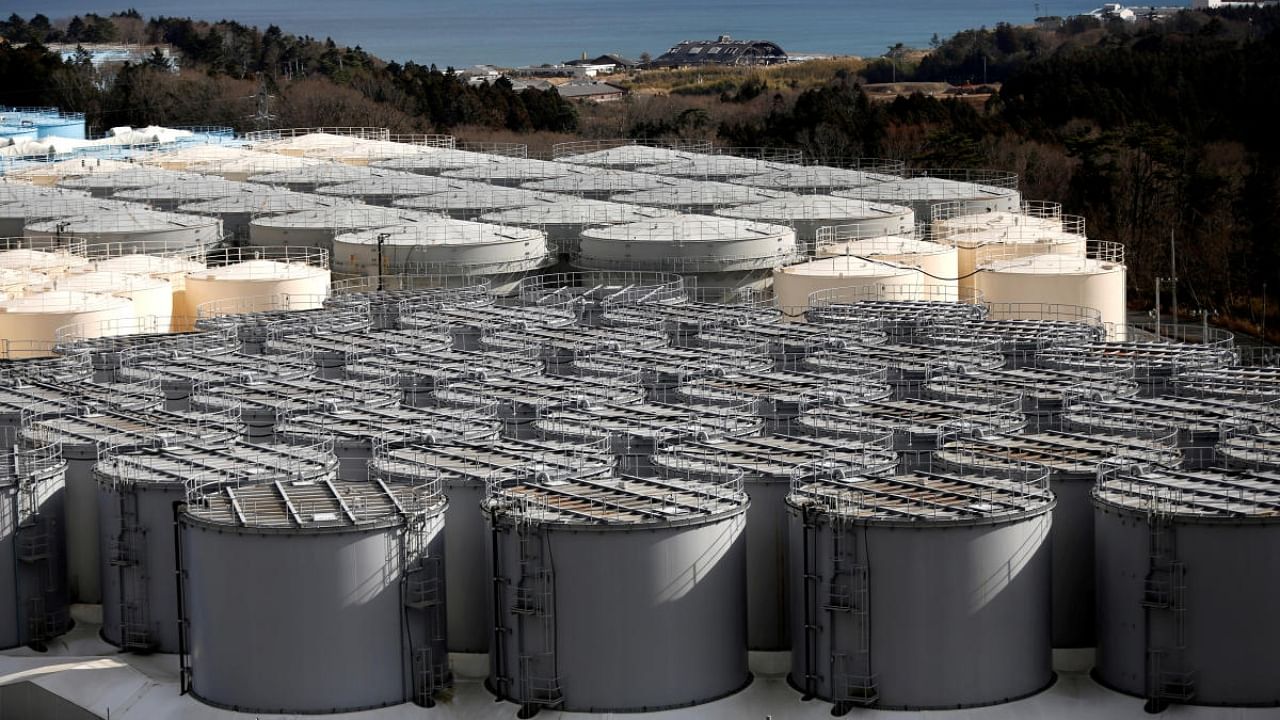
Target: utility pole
{"type": "Point", "coordinates": [262, 116]}
{"type": "Point", "coordinates": [1264, 312]}
{"type": "Point", "coordinates": [1158, 307]}
{"type": "Point", "coordinates": [382, 238]}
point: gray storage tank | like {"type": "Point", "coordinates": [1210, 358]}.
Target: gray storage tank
{"type": "Point", "coordinates": [137, 492]}
{"type": "Point", "coordinates": [623, 594]}
{"type": "Point", "coordinates": [768, 465]}
{"type": "Point", "coordinates": [921, 590]}
{"type": "Point", "coordinates": [464, 469]}
{"type": "Point", "coordinates": [84, 438]}
{"type": "Point", "coordinates": [1186, 570]}
{"type": "Point", "coordinates": [1074, 461]}
{"type": "Point", "coordinates": [34, 602]}
{"type": "Point", "coordinates": [314, 596]}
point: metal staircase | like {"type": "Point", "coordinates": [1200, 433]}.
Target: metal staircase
{"type": "Point", "coordinates": [422, 592]}
{"type": "Point", "coordinates": [848, 595]}
{"type": "Point", "coordinates": [533, 605]}
{"type": "Point", "coordinates": [1168, 677]}
{"type": "Point", "coordinates": [127, 555]}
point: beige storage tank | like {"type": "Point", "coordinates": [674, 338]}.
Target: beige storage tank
{"type": "Point", "coordinates": [793, 284]}
{"type": "Point", "coordinates": [1029, 232]}
{"type": "Point", "coordinates": [174, 270]}
{"type": "Point", "coordinates": [16, 283]}
{"type": "Point", "coordinates": [152, 296]}
{"type": "Point", "coordinates": [298, 277]}
{"type": "Point", "coordinates": [51, 262]}
{"type": "Point", "coordinates": [35, 318]}
{"type": "Point", "coordinates": [936, 260]}
{"type": "Point", "coordinates": [1093, 279]}
{"type": "Point", "coordinates": [808, 213]}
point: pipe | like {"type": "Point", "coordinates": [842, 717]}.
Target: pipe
{"type": "Point", "coordinates": [184, 672]}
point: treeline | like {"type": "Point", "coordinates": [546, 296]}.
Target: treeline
{"type": "Point", "coordinates": [1152, 132]}
{"type": "Point", "coordinates": [228, 68]}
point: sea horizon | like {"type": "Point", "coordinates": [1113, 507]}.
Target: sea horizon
{"type": "Point", "coordinates": [460, 34]}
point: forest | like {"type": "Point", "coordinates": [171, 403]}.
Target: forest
{"type": "Point", "coordinates": [1156, 131]}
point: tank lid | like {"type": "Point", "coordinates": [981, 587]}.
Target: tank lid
{"type": "Point", "coordinates": [817, 207]}
{"type": "Point", "coordinates": [481, 462]}
{"type": "Point", "coordinates": [314, 505]}
{"type": "Point", "coordinates": [368, 425]}
{"type": "Point", "coordinates": [623, 500]}
{"type": "Point", "coordinates": [917, 417]}
{"type": "Point", "coordinates": [210, 466]}
{"type": "Point", "coordinates": [538, 391]}
{"type": "Point", "coordinates": [649, 422]}
{"type": "Point", "coordinates": [927, 498]}
{"type": "Point", "coordinates": [776, 456]}
{"type": "Point", "coordinates": [1215, 494]}
{"type": "Point", "coordinates": [1062, 452]}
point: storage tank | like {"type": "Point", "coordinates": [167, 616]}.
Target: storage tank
{"type": "Point", "coordinates": [106, 184]}
{"type": "Point", "coordinates": [684, 322]}
{"type": "Point", "coordinates": [346, 580]}
{"type": "Point", "coordinates": [662, 370]}
{"type": "Point", "coordinates": [36, 317]}
{"type": "Point", "coordinates": [790, 343]}
{"type": "Point", "coordinates": [1042, 393]}
{"type": "Point", "coordinates": [180, 372]}
{"type": "Point", "coordinates": [84, 438]}
{"type": "Point", "coordinates": [780, 396]}
{"type": "Point", "coordinates": [594, 291]}
{"type": "Point", "coordinates": [728, 163]}
{"type": "Point", "coordinates": [513, 172]}
{"type": "Point", "coordinates": [625, 154]}
{"type": "Point", "coordinates": [899, 312]}
{"type": "Point", "coordinates": [172, 270]}
{"type": "Point", "coordinates": [666, 555]}
{"type": "Point", "coordinates": [559, 347]}
{"type": "Point", "coordinates": [471, 203]}
{"type": "Point", "coordinates": [1025, 330]}
{"type": "Point", "coordinates": [442, 160]}
{"type": "Point", "coordinates": [521, 400]}
{"type": "Point", "coordinates": [332, 351]}
{"type": "Point", "coordinates": [564, 219]}
{"type": "Point", "coordinates": [633, 432]}
{"type": "Point", "coordinates": [255, 320]}
{"type": "Point", "coordinates": [135, 228]}
{"type": "Point", "coordinates": [920, 590]}
{"type": "Point", "coordinates": [265, 402]}
{"type": "Point", "coordinates": [807, 213]}
{"type": "Point", "coordinates": [152, 297]}
{"type": "Point", "coordinates": [17, 214]}
{"type": "Point", "coordinates": [355, 431]}
{"type": "Point", "coordinates": [697, 196]}
{"type": "Point", "coordinates": [52, 257]}
{"type": "Point", "coordinates": [936, 261]}
{"type": "Point", "coordinates": [1093, 280]}
{"type": "Point", "coordinates": [464, 469]}
{"type": "Point", "coordinates": [1074, 461]}
{"type": "Point", "coordinates": [317, 227]}
{"type": "Point", "coordinates": [34, 603]}
{"type": "Point", "coordinates": [908, 365]}
{"type": "Point", "coordinates": [707, 251]}
{"type": "Point", "coordinates": [1155, 362]}
{"type": "Point", "coordinates": [468, 324]}
{"type": "Point", "coordinates": [299, 275]}
{"type": "Point", "coordinates": [819, 179]}
{"type": "Point", "coordinates": [419, 373]}
{"type": "Point", "coordinates": [387, 187]}
{"type": "Point", "coordinates": [793, 284]}
{"type": "Point", "coordinates": [599, 183]}
{"type": "Point", "coordinates": [767, 465]}
{"type": "Point", "coordinates": [1236, 381]}
{"type": "Point", "coordinates": [1186, 567]}
{"type": "Point", "coordinates": [444, 246]}
{"type": "Point", "coordinates": [169, 196]}
{"type": "Point", "coordinates": [974, 190]}
{"type": "Point", "coordinates": [137, 492]}
{"type": "Point", "coordinates": [238, 211]}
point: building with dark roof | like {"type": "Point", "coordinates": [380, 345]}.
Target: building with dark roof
{"type": "Point", "coordinates": [722, 51]}
{"type": "Point", "coordinates": [593, 91]}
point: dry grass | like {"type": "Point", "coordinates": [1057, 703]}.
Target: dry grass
{"type": "Point", "coordinates": [714, 79]}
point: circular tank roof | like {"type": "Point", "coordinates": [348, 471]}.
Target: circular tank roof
{"type": "Point", "coordinates": [131, 221]}
{"type": "Point", "coordinates": [39, 260]}
{"type": "Point", "coordinates": [688, 229]}
{"type": "Point", "coordinates": [259, 270]}
{"type": "Point", "coordinates": [925, 499]}
{"type": "Point", "coordinates": [514, 169]}
{"type": "Point", "coordinates": [132, 178]}
{"type": "Point", "coordinates": [235, 463]}
{"type": "Point", "coordinates": [684, 193]}
{"type": "Point", "coordinates": [352, 217]}
{"type": "Point", "coordinates": [576, 211]}
{"type": "Point", "coordinates": [629, 155]}
{"type": "Point", "coordinates": [437, 161]}
{"type": "Point", "coordinates": [60, 302]}
{"type": "Point", "coordinates": [333, 506]}
{"type": "Point", "coordinates": [272, 202]}
{"type": "Point", "coordinates": [141, 264]}
{"type": "Point", "coordinates": [393, 186]}
{"type": "Point", "coordinates": [1052, 264]}
{"type": "Point", "coordinates": [108, 282]}
{"type": "Point", "coordinates": [623, 501]}
{"type": "Point", "coordinates": [715, 166]}
{"type": "Point", "coordinates": [928, 188]}
{"type": "Point", "coordinates": [441, 231]}
{"type": "Point", "coordinates": [816, 178]}
{"type": "Point", "coordinates": [600, 181]}
{"type": "Point", "coordinates": [1227, 496]}
{"type": "Point", "coordinates": [475, 197]}
{"type": "Point", "coordinates": [846, 266]}
{"type": "Point", "coordinates": [816, 207]}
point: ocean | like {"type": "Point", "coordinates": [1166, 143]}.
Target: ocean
{"type": "Point", "coordinates": [461, 33]}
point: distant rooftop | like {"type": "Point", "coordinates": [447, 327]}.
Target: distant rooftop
{"type": "Point", "coordinates": [724, 50]}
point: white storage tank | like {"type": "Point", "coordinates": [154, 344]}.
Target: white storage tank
{"type": "Point", "coordinates": [707, 251]}
{"type": "Point", "coordinates": [920, 590]}
{"type": "Point", "coordinates": [317, 227]}
{"type": "Point", "coordinates": [444, 246]}
{"type": "Point", "coordinates": [311, 176]}
{"type": "Point", "coordinates": [106, 184]}
{"type": "Point", "coordinates": [35, 318]}
{"type": "Point", "coordinates": [238, 211]}
{"type": "Point", "coordinates": [693, 196]}
{"type": "Point", "coordinates": [513, 172]}
{"type": "Point", "coordinates": [314, 597]}
{"type": "Point", "coordinates": [807, 213]}
{"type": "Point", "coordinates": [297, 276]}
{"type": "Point", "coordinates": [619, 595]}
{"type": "Point", "coordinates": [818, 179]}
{"type": "Point", "coordinates": [385, 188]}
{"type": "Point", "coordinates": [442, 160]}
{"type": "Point", "coordinates": [563, 219]}
{"type": "Point", "coordinates": [169, 196]}
{"type": "Point", "coordinates": [599, 184]}
{"type": "Point", "coordinates": [1186, 569]}
{"type": "Point", "coordinates": [793, 284]}
{"type": "Point", "coordinates": [1095, 279]}
{"type": "Point", "coordinates": [471, 203]}
{"type": "Point", "coordinates": [728, 163]}
{"type": "Point", "coordinates": [625, 154]}
{"type": "Point", "coordinates": [135, 227]}
{"type": "Point", "coordinates": [975, 190]}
